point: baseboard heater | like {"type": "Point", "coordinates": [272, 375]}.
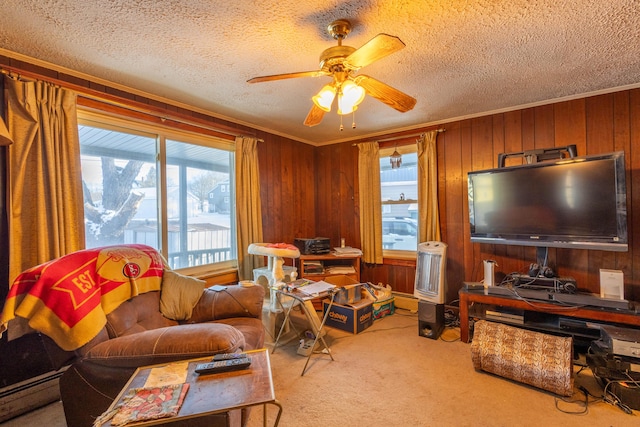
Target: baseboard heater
{"type": "Point", "coordinates": [25, 396]}
{"type": "Point", "coordinates": [409, 302]}
{"type": "Point", "coordinates": [405, 301]}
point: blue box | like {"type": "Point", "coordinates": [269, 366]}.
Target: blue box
{"type": "Point", "coordinates": [353, 318]}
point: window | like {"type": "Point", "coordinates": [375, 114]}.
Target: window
{"type": "Point", "coordinates": [399, 188]}
{"type": "Point", "coordinates": [149, 185]}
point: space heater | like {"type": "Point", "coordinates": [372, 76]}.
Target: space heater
{"type": "Point", "coordinates": [430, 288]}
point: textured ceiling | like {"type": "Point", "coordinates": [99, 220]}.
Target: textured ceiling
{"type": "Point", "coordinates": [462, 57]}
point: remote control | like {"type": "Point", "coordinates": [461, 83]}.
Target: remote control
{"type": "Point", "coordinates": [228, 356]}
{"type": "Point", "coordinates": [223, 366]}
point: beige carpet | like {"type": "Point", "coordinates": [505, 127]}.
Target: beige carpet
{"type": "Point", "coordinates": [390, 376]}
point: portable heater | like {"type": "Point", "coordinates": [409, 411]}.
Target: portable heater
{"type": "Point", "coordinates": [430, 288]}
{"type": "Point", "coordinates": [431, 265]}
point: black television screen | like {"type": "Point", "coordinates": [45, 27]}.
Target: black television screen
{"type": "Point", "coordinates": [568, 203]}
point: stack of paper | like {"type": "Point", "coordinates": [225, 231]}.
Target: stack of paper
{"type": "Point", "coordinates": [340, 269]}
{"type": "Point", "coordinates": [316, 288]}
{"type": "Point", "coordinates": [347, 251]}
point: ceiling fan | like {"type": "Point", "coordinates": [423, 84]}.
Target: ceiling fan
{"type": "Point", "coordinates": [341, 63]}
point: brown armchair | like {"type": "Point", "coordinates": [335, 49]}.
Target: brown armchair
{"type": "Point", "coordinates": [137, 334]}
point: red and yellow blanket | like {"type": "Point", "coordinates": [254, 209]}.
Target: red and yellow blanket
{"type": "Point", "coordinates": [68, 298]}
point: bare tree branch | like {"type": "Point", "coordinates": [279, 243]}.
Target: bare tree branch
{"type": "Point", "coordinates": [117, 182]}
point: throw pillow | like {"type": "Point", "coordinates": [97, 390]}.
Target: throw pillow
{"type": "Point", "coordinates": [179, 294]}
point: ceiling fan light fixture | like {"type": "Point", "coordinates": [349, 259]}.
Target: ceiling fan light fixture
{"type": "Point", "coordinates": [349, 97]}
{"type": "Point", "coordinates": [395, 159]}
{"type": "Point", "coordinates": [324, 98]}
{"type": "Point", "coordinates": [339, 62]}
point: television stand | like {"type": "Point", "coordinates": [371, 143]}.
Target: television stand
{"type": "Point", "coordinates": [550, 295]}
{"type": "Point", "coordinates": [537, 309]}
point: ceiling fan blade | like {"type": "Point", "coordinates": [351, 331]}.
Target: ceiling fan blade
{"type": "Point", "coordinates": [385, 93]}
{"type": "Point", "coordinates": [377, 48]}
{"type": "Point", "coordinates": [259, 79]}
{"type": "Point", "coordinates": [314, 117]}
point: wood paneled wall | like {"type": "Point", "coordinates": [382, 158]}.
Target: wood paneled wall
{"type": "Point", "coordinates": [336, 186]}
{"type": "Point", "coordinates": [597, 124]}
{"type": "Point", "coordinates": [313, 191]}
{"type": "Point", "coordinates": [287, 187]}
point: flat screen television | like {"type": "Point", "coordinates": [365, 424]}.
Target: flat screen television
{"type": "Point", "coordinates": [567, 203]}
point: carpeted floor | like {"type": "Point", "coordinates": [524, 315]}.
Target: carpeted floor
{"type": "Point", "coordinates": [390, 376]}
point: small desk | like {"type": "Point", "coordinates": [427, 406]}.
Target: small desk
{"type": "Point", "coordinates": [305, 302]}
{"type": "Point", "coordinates": [217, 393]}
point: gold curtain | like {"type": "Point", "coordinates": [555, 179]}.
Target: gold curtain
{"type": "Point", "coordinates": [46, 217]}
{"type": "Point", "coordinates": [428, 213]}
{"type": "Point", "coordinates": [248, 208]}
{"type": "Point", "coordinates": [5, 137]}
{"type": "Point", "coordinates": [370, 202]}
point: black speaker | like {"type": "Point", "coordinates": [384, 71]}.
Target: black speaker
{"type": "Point", "coordinates": [430, 319]}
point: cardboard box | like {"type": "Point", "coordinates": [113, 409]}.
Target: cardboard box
{"type": "Point", "coordinates": [348, 294]}
{"type": "Point", "coordinates": [383, 308]}
{"type": "Point", "coordinates": [353, 318]}
{"type": "Point", "coordinates": [350, 289]}
{"type": "Point", "coordinates": [341, 280]}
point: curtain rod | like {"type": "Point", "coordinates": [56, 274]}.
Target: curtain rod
{"type": "Point", "coordinates": [399, 137]}
{"type": "Point", "coordinates": [117, 101]}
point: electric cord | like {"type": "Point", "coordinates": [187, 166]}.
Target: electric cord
{"type": "Point", "coordinates": [508, 283]}
{"type": "Point", "coordinates": [455, 339]}
{"type": "Point", "coordinates": [583, 403]}
{"type": "Point", "coordinates": [451, 319]}
{"type": "Point", "coordinates": [608, 396]}
{"type": "Point", "coordinates": [238, 302]}
{"type": "Point", "coordinates": [612, 399]}
{"type": "Point", "coordinates": [591, 398]}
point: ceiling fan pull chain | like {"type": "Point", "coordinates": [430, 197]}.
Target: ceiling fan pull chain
{"type": "Point", "coordinates": [341, 127]}
{"type": "Point", "coordinates": [353, 121]}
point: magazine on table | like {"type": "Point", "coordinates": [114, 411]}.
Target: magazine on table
{"type": "Point", "coordinates": [146, 403]}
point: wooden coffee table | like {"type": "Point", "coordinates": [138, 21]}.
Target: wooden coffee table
{"type": "Point", "coordinates": [216, 393]}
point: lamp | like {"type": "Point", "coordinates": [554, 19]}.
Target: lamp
{"type": "Point", "coordinates": [350, 95]}
{"type": "Point", "coordinates": [325, 97]}
{"type": "Point", "coordinates": [5, 138]}
{"type": "Point", "coordinates": [395, 159]}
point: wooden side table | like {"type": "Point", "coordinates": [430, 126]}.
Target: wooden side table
{"type": "Point", "coordinates": [328, 260]}
{"type": "Point", "coordinates": [216, 393]}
